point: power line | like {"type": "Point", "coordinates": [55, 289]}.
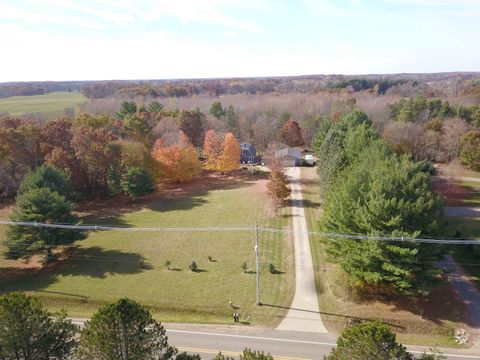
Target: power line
{"type": "Point", "coordinates": [247, 228]}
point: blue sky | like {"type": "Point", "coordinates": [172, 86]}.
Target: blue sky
{"type": "Point", "coordinates": [141, 39]}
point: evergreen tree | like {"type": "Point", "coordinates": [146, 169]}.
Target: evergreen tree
{"type": "Point", "coordinates": [369, 340]}
{"type": "Point", "coordinates": [137, 182]}
{"type": "Point", "coordinates": [217, 110]}
{"type": "Point", "coordinates": [127, 108]}
{"type": "Point", "coordinates": [28, 331]}
{"type": "Point", "coordinates": [47, 176]}
{"type": "Point", "coordinates": [124, 330]}
{"type": "Point", "coordinates": [470, 153]}
{"type": "Point", "coordinates": [383, 195]}
{"type": "Point", "coordinates": [40, 205]}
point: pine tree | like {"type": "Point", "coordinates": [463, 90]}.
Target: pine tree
{"type": "Point", "coordinates": [40, 205]}
{"type": "Point", "coordinates": [124, 330]}
{"type": "Point", "coordinates": [369, 340]}
{"type": "Point", "coordinates": [29, 331]}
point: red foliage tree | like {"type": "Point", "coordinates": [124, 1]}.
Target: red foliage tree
{"type": "Point", "coordinates": [292, 134]}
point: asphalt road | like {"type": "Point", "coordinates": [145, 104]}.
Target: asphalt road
{"type": "Point", "coordinates": [208, 340]}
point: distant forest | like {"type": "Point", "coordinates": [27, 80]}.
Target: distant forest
{"type": "Point", "coordinates": [430, 85]}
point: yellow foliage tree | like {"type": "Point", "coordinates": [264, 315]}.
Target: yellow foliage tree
{"type": "Point", "coordinates": [178, 162]}
{"type": "Point", "coordinates": [230, 158]}
{"type": "Point", "coordinates": [212, 149]}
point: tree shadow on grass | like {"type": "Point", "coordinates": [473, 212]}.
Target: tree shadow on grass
{"type": "Point", "coordinates": [346, 318]}
{"type": "Point", "coordinates": [311, 204]}
{"type": "Point", "coordinates": [168, 197]}
{"type": "Point", "coordinates": [442, 304]}
{"type": "Point", "coordinates": [91, 262]}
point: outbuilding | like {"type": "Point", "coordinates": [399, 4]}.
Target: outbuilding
{"type": "Point", "coordinates": [291, 157]}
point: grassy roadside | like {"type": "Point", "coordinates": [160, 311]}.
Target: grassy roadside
{"type": "Point", "coordinates": [468, 256]}
{"type": "Point", "coordinates": [112, 264]}
{"type": "Point", "coordinates": [430, 325]}
{"type": "Point", "coordinates": [49, 105]}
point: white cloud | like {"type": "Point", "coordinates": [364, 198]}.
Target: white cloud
{"type": "Point", "coordinates": [456, 3]}
{"type": "Point", "coordinates": [331, 9]}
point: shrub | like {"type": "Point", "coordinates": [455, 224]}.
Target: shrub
{"type": "Point", "coordinates": [137, 182]}
{"type": "Point", "coordinates": [193, 266]}
{"type": "Point", "coordinates": [271, 269]}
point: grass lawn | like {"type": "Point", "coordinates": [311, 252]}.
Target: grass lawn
{"type": "Point", "coordinates": [112, 264]}
{"type": "Point", "coordinates": [471, 184]}
{"type": "Point", "coordinates": [473, 190]}
{"type": "Point", "coordinates": [430, 324]}
{"type": "Point", "coordinates": [49, 105]}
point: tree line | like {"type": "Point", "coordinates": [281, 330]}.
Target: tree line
{"type": "Point", "coordinates": [368, 189]}
{"type": "Point", "coordinates": [122, 330]}
{"type": "Point", "coordinates": [432, 129]}
{"type": "Point", "coordinates": [126, 330]}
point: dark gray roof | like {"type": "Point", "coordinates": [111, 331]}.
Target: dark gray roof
{"type": "Point", "coordinates": [248, 147]}
{"type": "Point", "coordinates": [288, 152]}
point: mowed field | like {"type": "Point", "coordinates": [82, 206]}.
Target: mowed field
{"type": "Point", "coordinates": [108, 265]}
{"type": "Point", "coordinates": [430, 323]}
{"type": "Point", "coordinates": [49, 105]}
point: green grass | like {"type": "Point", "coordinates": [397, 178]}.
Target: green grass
{"type": "Point", "coordinates": [49, 105]}
{"type": "Point", "coordinates": [113, 264]}
{"type": "Point", "coordinates": [474, 195]}
{"type": "Point", "coordinates": [338, 303]}
{"type": "Point", "coordinates": [470, 184]}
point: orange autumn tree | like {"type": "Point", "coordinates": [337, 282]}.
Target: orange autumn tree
{"type": "Point", "coordinates": [212, 149]}
{"type": "Point", "coordinates": [178, 162]}
{"type": "Point", "coordinates": [230, 158]}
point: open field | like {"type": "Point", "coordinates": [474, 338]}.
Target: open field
{"type": "Point", "coordinates": [109, 265]}
{"type": "Point", "coordinates": [429, 324]}
{"type": "Point", "coordinates": [49, 105]}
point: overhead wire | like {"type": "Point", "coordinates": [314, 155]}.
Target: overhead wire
{"type": "Point", "coordinates": [243, 228]}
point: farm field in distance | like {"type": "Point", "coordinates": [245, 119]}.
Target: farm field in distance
{"type": "Point", "coordinates": [49, 105]}
{"type": "Point", "coordinates": [112, 264]}
{"type": "Point", "coordinates": [430, 325]}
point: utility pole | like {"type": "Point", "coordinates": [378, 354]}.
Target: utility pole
{"type": "Point", "coordinates": [257, 273]}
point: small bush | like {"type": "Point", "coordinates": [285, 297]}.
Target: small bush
{"type": "Point", "coordinates": [137, 182]}
{"type": "Point", "coordinates": [244, 267]}
{"type": "Point", "coordinates": [210, 258]}
{"type": "Point", "coordinates": [271, 269]}
{"type": "Point", "coordinates": [193, 266]}
{"type": "Point", "coordinates": [168, 263]}
{"type": "Point", "coordinates": [185, 356]}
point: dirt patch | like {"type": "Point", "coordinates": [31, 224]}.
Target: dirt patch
{"type": "Point", "coordinates": [454, 194]}
{"type": "Point", "coordinates": [6, 209]}
{"type": "Point", "coordinates": [438, 314]}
